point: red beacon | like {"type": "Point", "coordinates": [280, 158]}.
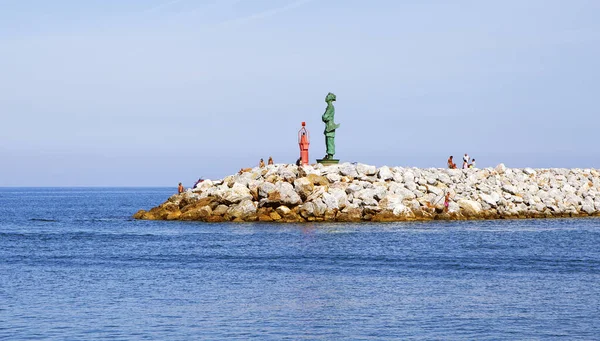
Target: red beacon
{"type": "Point", "coordinates": [303, 142]}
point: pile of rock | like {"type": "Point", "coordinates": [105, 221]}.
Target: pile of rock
{"type": "Point", "coordinates": [358, 192]}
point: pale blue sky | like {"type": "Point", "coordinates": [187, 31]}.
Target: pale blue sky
{"type": "Point", "coordinates": [150, 93]}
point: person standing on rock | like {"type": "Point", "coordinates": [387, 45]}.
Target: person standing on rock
{"type": "Point", "coordinates": [465, 161]}
{"type": "Point", "coordinates": [180, 189]}
{"type": "Point", "coordinates": [270, 160]}
{"type": "Point", "coordinates": [261, 163]}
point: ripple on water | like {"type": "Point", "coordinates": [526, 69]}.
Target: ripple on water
{"type": "Point", "coordinates": [90, 272]}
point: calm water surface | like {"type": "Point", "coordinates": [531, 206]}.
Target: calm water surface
{"type": "Point", "coordinates": [74, 266]}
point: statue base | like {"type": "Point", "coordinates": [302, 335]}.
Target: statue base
{"type": "Point", "coordinates": [328, 162]}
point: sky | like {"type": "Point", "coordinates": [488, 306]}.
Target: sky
{"type": "Point", "coordinates": [154, 92]}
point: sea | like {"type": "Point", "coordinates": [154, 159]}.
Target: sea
{"type": "Point", "coordinates": [74, 265]}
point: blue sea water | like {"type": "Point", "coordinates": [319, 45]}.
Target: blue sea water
{"type": "Point", "coordinates": [75, 266]}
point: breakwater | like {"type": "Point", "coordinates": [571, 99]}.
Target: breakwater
{"type": "Point", "coordinates": [358, 192]}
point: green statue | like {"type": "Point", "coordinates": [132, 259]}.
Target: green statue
{"type": "Point", "coordinates": [330, 126]}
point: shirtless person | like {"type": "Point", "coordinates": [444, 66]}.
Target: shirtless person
{"type": "Point", "coordinates": [451, 163]}
{"type": "Point", "coordinates": [261, 164]}
{"type": "Point", "coordinates": [180, 189]}
{"type": "Point", "coordinates": [270, 160]}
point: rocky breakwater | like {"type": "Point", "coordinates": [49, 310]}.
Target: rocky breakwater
{"type": "Point", "coordinates": [349, 192]}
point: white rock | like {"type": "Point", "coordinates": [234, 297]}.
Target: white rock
{"type": "Point", "coordinates": [366, 169]}
{"type": "Point", "coordinates": [368, 202]}
{"type": "Point", "coordinates": [287, 173]}
{"type": "Point", "coordinates": [435, 190]}
{"type": "Point", "coordinates": [330, 201]}
{"type": "Point", "coordinates": [365, 194]}
{"type": "Point", "coordinates": [354, 188]}
{"type": "Point", "coordinates": [317, 193]}
{"type": "Point", "coordinates": [405, 193]}
{"type": "Point", "coordinates": [333, 177]}
{"type": "Point", "coordinates": [409, 177]}
{"type": "Point", "coordinates": [500, 169]}
{"type": "Point", "coordinates": [265, 188]}
{"type": "Point", "coordinates": [348, 169]}
{"type": "Point", "coordinates": [204, 185]}
{"type": "Point", "coordinates": [283, 210]}
{"type": "Point", "coordinates": [303, 187]}
{"type": "Point", "coordinates": [470, 206]}
{"type": "Point", "coordinates": [243, 209]}
{"type": "Point", "coordinates": [380, 192]}
{"type": "Point", "coordinates": [453, 207]}
{"type": "Point", "coordinates": [236, 194]}
{"type": "Point", "coordinates": [588, 207]}
{"type": "Point", "coordinates": [340, 196]}
{"type": "Point", "coordinates": [510, 189]}
{"type": "Point", "coordinates": [385, 173]}
{"type": "Point", "coordinates": [287, 194]}
{"type": "Point", "coordinates": [320, 207]}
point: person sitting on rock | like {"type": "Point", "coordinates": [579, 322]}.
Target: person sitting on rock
{"type": "Point", "coordinates": [261, 164]}
{"type": "Point", "coordinates": [270, 160]}
{"type": "Point", "coordinates": [246, 170]}
{"type": "Point", "coordinates": [472, 164]}
{"type": "Point", "coordinates": [451, 163]}
{"type": "Point", "coordinates": [180, 189]}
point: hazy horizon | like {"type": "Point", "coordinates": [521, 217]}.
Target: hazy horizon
{"type": "Point", "coordinates": [151, 93]}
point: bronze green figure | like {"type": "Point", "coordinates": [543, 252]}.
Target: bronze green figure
{"type": "Point", "coordinates": [330, 126]}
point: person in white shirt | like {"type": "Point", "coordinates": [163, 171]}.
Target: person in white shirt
{"type": "Point", "coordinates": [465, 161]}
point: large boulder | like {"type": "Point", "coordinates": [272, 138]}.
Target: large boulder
{"type": "Point", "coordinates": [340, 196]}
{"type": "Point", "coordinates": [283, 194]}
{"type": "Point", "coordinates": [470, 208]}
{"type": "Point", "coordinates": [303, 187]}
{"type": "Point", "coordinates": [409, 177]}
{"type": "Point", "coordinates": [283, 210]}
{"type": "Point", "coordinates": [385, 173]}
{"type": "Point", "coordinates": [367, 170]}
{"type": "Point", "coordinates": [245, 210]}
{"type": "Point", "coordinates": [317, 180]}
{"type": "Point", "coordinates": [330, 201]}
{"type": "Point", "coordinates": [500, 169]}
{"type": "Point", "coordinates": [287, 173]}
{"type": "Point", "coordinates": [235, 194]}
{"type": "Point", "coordinates": [316, 208]}
{"type": "Point", "coordinates": [350, 214]}
{"type": "Point", "coordinates": [197, 213]}
{"type": "Point", "coordinates": [490, 199]}
{"type": "Point", "coordinates": [265, 188]}
{"type": "Point", "coordinates": [204, 185]}
{"type": "Point", "coordinates": [348, 169]}
{"type": "Point", "coordinates": [588, 207]}
{"type": "Point", "coordinates": [393, 203]}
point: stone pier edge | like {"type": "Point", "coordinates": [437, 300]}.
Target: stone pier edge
{"type": "Point", "coordinates": [347, 192]}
